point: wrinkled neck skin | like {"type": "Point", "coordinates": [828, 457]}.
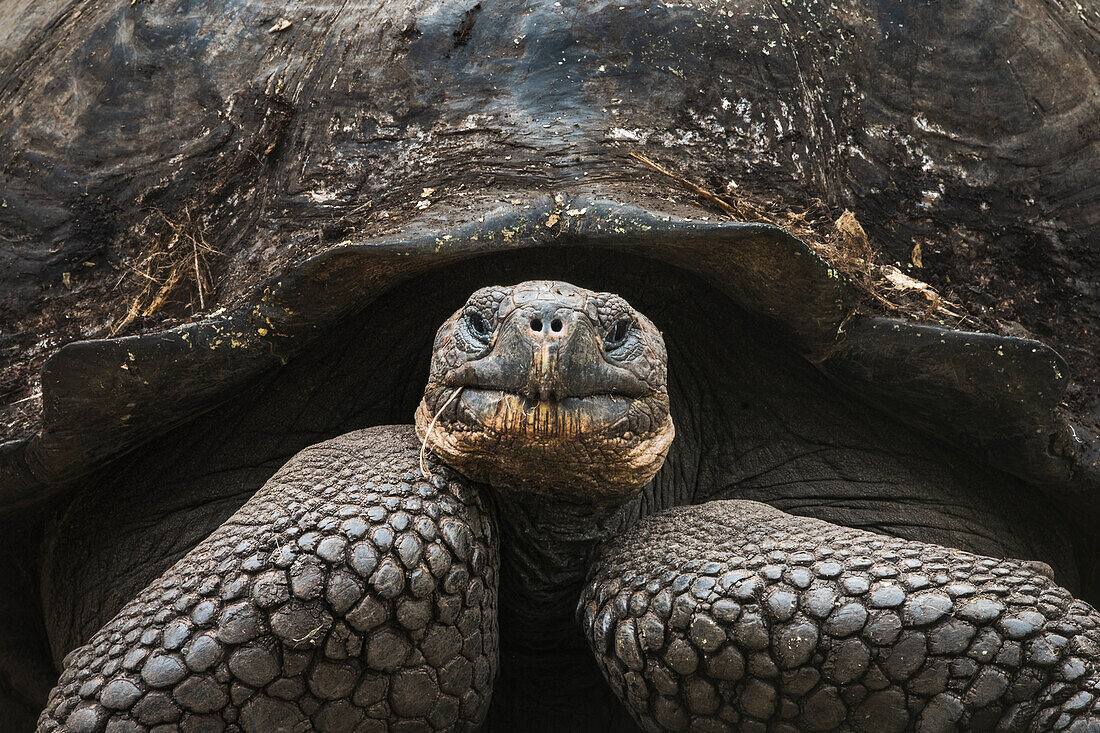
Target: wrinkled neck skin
{"type": "Point", "coordinates": [545, 546]}
{"type": "Point", "coordinates": [547, 671]}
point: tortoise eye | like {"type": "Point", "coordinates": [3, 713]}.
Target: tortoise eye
{"type": "Point", "coordinates": [617, 334]}
{"type": "Point", "coordinates": [478, 325]}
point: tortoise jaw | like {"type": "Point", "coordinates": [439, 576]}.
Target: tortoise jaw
{"type": "Point", "coordinates": [507, 413]}
{"type": "Point", "coordinates": [594, 450]}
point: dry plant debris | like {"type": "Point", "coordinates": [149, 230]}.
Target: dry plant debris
{"type": "Point", "coordinates": [175, 257]}
{"type": "Point", "coordinates": [840, 241]}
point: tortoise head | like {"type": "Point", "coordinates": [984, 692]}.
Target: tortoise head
{"type": "Point", "coordinates": [547, 388]}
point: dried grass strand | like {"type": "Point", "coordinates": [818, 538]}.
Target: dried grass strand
{"type": "Point", "coordinates": [427, 433]}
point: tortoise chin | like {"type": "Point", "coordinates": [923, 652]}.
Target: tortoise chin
{"type": "Point", "coordinates": [597, 449]}
{"type": "Point", "coordinates": [549, 389]}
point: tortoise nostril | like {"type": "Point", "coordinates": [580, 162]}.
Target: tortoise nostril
{"type": "Point", "coordinates": [556, 325]}
{"type": "Point", "coordinates": [536, 325]}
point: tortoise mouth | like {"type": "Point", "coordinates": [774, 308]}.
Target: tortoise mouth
{"type": "Point", "coordinates": [597, 449]}
{"type": "Point", "coordinates": [504, 412]}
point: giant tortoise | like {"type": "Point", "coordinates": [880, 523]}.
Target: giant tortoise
{"type": "Point", "coordinates": [367, 587]}
{"type": "Point", "coordinates": [281, 205]}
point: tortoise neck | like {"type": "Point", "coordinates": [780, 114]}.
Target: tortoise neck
{"type": "Point", "coordinates": [546, 545]}
{"type": "Point", "coordinates": [545, 662]}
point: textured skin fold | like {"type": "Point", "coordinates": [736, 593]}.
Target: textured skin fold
{"type": "Point", "coordinates": [349, 593]}
{"type": "Point", "coordinates": [735, 616]}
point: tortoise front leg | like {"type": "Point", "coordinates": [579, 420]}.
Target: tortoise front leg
{"type": "Point", "coordinates": [348, 594]}
{"type": "Point", "coordinates": [735, 616]}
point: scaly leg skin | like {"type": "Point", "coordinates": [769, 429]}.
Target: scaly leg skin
{"type": "Point", "coordinates": [734, 616]}
{"type": "Point", "coordinates": [350, 593]}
